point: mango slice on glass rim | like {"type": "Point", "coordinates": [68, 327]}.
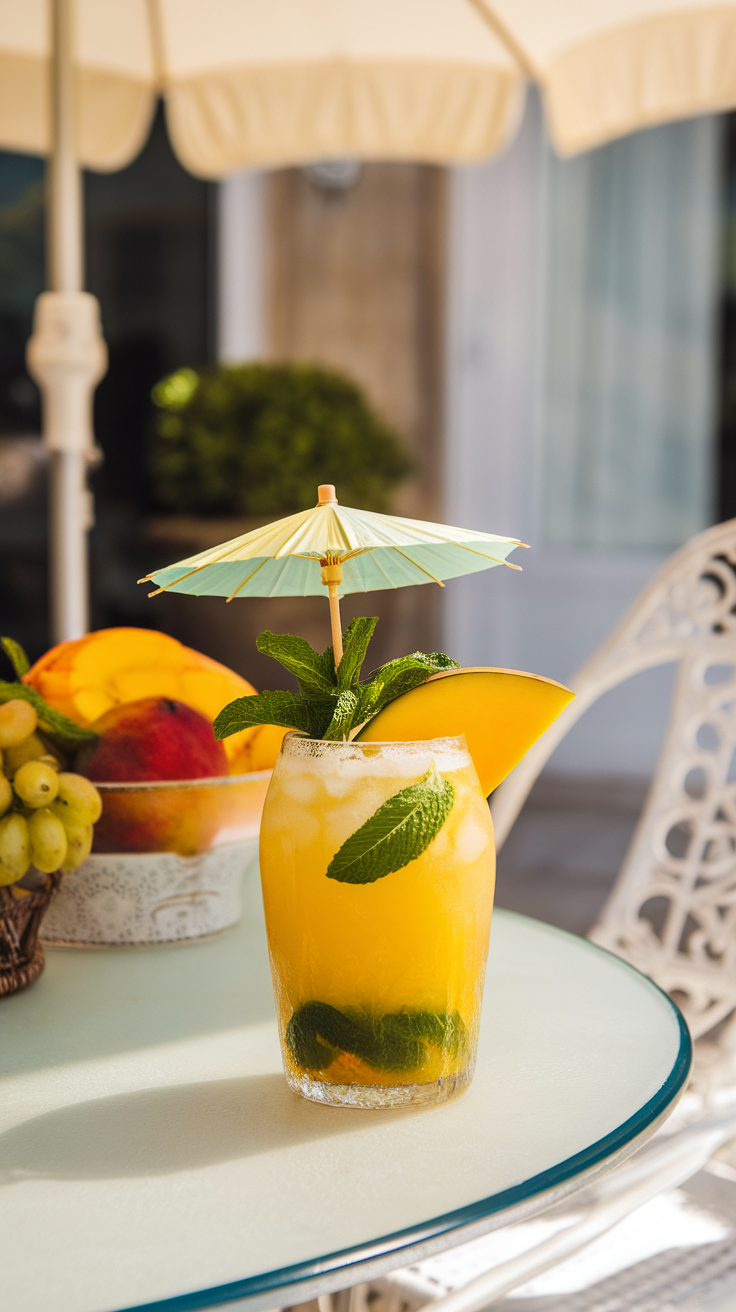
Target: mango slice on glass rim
{"type": "Point", "coordinates": [501, 713]}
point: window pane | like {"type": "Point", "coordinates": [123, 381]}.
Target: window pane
{"type": "Point", "coordinates": [21, 280]}
{"type": "Point", "coordinates": [631, 240]}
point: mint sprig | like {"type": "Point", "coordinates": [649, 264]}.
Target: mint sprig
{"type": "Point", "coordinates": [284, 708]}
{"type": "Point", "coordinates": [343, 716]}
{"type": "Point", "coordinates": [355, 645]}
{"type": "Point", "coordinates": [318, 1032]}
{"type": "Point", "coordinates": [398, 832]}
{"type": "Point", "coordinates": [330, 704]}
{"type": "Point", "coordinates": [314, 673]}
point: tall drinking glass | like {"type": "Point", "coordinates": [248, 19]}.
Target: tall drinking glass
{"type": "Point", "coordinates": [377, 865]}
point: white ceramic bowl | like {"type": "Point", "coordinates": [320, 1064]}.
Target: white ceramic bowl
{"type": "Point", "coordinates": [167, 863]}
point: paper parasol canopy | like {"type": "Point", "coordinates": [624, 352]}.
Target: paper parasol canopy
{"type": "Point", "coordinates": [338, 548]}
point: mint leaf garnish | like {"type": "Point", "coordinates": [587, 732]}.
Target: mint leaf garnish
{"type": "Point", "coordinates": [318, 1032]}
{"type": "Point", "coordinates": [431, 661]}
{"type": "Point", "coordinates": [355, 645]}
{"type": "Point", "coordinates": [51, 721]}
{"type": "Point", "coordinates": [370, 700]}
{"type": "Point", "coordinates": [342, 716]}
{"type": "Point", "coordinates": [398, 832]}
{"type": "Point", "coordinates": [407, 672]}
{"type": "Point", "coordinates": [401, 675]}
{"type": "Point", "coordinates": [16, 656]}
{"type": "Point", "coordinates": [314, 673]}
{"type": "Point", "coordinates": [283, 708]}
{"type": "Point", "coordinates": [321, 708]}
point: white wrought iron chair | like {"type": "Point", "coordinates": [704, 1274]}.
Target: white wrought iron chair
{"type": "Point", "coordinates": [672, 912]}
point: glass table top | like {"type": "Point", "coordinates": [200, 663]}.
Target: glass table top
{"type": "Point", "coordinates": [158, 1159]}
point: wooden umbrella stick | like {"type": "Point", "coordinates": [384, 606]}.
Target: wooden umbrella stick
{"type": "Point", "coordinates": [335, 622]}
{"type": "Point", "coordinates": [332, 578]}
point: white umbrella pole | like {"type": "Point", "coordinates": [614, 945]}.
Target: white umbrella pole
{"type": "Point", "coordinates": [66, 354]}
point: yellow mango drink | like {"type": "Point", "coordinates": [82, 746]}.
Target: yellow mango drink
{"type": "Point", "coordinates": [377, 866]}
{"type": "Point", "coordinates": [377, 859]}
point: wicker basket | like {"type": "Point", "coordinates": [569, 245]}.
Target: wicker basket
{"type": "Point", "coordinates": [21, 954]}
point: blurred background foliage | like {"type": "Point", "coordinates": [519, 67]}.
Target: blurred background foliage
{"type": "Point", "coordinates": [257, 439]}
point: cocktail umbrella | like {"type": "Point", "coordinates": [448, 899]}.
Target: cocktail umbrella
{"type": "Point", "coordinates": [337, 548]}
{"type": "Point", "coordinates": [287, 81]}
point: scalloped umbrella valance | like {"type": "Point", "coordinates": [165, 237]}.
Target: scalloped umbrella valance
{"type": "Point", "coordinates": [249, 83]}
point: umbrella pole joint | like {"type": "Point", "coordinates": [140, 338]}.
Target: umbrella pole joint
{"type": "Point", "coordinates": [332, 578]}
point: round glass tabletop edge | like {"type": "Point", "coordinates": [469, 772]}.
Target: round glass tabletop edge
{"type": "Point", "coordinates": [585, 1160]}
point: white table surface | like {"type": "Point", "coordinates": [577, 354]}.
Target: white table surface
{"type": "Point", "coordinates": [151, 1153]}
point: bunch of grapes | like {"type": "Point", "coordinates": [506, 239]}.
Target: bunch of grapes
{"type": "Point", "coordinates": [46, 813]}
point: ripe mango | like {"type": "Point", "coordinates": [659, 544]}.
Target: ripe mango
{"type": "Point", "coordinates": [87, 677]}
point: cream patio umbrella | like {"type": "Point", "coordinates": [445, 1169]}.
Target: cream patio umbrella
{"type": "Point", "coordinates": [274, 82]}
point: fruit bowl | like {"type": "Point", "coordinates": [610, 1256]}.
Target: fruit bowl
{"type": "Point", "coordinates": [167, 863]}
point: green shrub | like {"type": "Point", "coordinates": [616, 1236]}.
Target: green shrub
{"type": "Point", "coordinates": [257, 439]}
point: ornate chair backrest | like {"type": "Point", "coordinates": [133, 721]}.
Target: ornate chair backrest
{"type": "Point", "coordinates": [672, 912]}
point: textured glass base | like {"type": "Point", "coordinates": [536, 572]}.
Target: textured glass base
{"type": "Point", "coordinates": [380, 1095]}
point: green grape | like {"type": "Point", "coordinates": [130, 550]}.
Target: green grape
{"type": "Point", "coordinates": [48, 840]}
{"type": "Point", "coordinates": [78, 801]}
{"type": "Point", "coordinates": [18, 719]}
{"type": "Point", "coordinates": [78, 845]}
{"type": "Point", "coordinates": [6, 876]}
{"type": "Point", "coordinates": [15, 848]}
{"type": "Point", "coordinates": [31, 749]}
{"type": "Point", "coordinates": [6, 793]}
{"type": "Point", "coordinates": [36, 783]}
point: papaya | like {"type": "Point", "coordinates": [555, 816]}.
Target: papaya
{"type": "Point", "coordinates": [86, 677]}
{"type": "Point", "coordinates": [501, 713]}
